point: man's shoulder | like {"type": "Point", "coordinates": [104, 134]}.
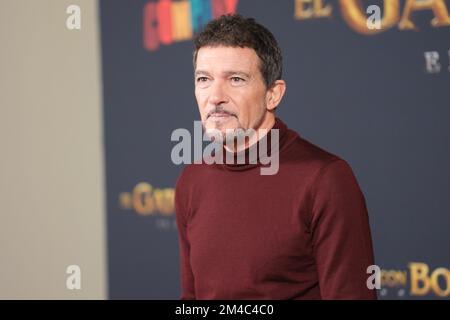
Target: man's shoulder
{"type": "Point", "coordinates": [313, 164]}
{"type": "Point", "coordinates": [303, 152]}
{"type": "Point", "coordinates": [192, 169]}
{"type": "Point", "coordinates": [189, 174]}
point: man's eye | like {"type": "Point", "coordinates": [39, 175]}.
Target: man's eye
{"type": "Point", "coordinates": [237, 79]}
{"type": "Point", "coordinates": [202, 79]}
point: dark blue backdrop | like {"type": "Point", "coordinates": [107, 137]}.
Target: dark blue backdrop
{"type": "Point", "coordinates": [366, 98]}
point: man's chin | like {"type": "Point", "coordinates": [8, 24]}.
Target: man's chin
{"type": "Point", "coordinates": [212, 131]}
{"type": "Point", "coordinates": [221, 133]}
{"type": "Point", "coordinates": [221, 123]}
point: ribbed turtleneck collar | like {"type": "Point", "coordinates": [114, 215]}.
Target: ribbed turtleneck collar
{"type": "Point", "coordinates": [282, 137]}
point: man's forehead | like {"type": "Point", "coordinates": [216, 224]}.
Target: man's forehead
{"type": "Point", "coordinates": [227, 59]}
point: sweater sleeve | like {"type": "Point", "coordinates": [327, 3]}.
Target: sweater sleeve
{"type": "Point", "coordinates": [182, 213]}
{"type": "Point", "coordinates": [342, 243]}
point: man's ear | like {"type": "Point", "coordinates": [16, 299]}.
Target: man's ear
{"type": "Point", "coordinates": [274, 94]}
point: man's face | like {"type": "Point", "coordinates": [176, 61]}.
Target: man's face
{"type": "Point", "coordinates": [229, 88]}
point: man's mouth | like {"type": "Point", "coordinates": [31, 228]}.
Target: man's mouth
{"type": "Point", "coordinates": [220, 115]}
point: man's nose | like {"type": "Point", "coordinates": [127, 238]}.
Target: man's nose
{"type": "Point", "coordinates": [218, 94]}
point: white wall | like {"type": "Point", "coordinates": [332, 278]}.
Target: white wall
{"type": "Point", "coordinates": [52, 211]}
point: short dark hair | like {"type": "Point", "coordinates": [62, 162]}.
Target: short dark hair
{"type": "Point", "coordinates": [233, 30]}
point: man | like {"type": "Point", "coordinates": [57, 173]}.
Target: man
{"type": "Point", "coordinates": [302, 233]}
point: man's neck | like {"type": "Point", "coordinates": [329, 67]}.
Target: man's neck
{"type": "Point", "coordinates": [262, 130]}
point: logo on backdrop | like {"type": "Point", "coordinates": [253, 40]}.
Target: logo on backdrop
{"type": "Point", "coordinates": [145, 200]}
{"type": "Point", "coordinates": [354, 13]}
{"type": "Point", "coordinates": [418, 280]}
{"type": "Point", "coordinates": [169, 21]}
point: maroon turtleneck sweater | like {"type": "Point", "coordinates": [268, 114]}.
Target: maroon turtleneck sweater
{"type": "Point", "coordinates": [302, 233]}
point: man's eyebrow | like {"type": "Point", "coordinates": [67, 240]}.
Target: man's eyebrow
{"type": "Point", "coordinates": [201, 72]}
{"type": "Point", "coordinates": [226, 73]}
{"type": "Point", "coordinates": [238, 73]}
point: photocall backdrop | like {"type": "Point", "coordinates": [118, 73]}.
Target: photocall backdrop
{"type": "Point", "coordinates": [379, 98]}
